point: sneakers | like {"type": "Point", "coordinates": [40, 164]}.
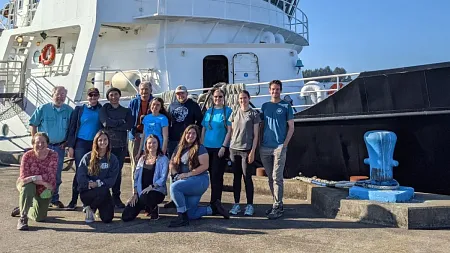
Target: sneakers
{"type": "Point", "coordinates": [118, 203]}
{"type": "Point", "coordinates": [275, 213]}
{"type": "Point", "coordinates": [268, 211]}
{"type": "Point", "coordinates": [249, 210]}
{"type": "Point", "coordinates": [22, 224]}
{"type": "Point", "coordinates": [15, 212]}
{"type": "Point", "coordinates": [235, 209]}
{"type": "Point", "coordinates": [154, 215]}
{"type": "Point", "coordinates": [57, 204]}
{"type": "Point", "coordinates": [72, 205]}
{"type": "Point", "coordinates": [89, 215]}
{"type": "Point", "coordinates": [219, 209]}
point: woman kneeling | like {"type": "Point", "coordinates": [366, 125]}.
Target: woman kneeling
{"type": "Point", "coordinates": [36, 181]}
{"type": "Point", "coordinates": [149, 181]}
{"type": "Point", "coordinates": [97, 173]}
{"type": "Point", "coordinates": [189, 169]}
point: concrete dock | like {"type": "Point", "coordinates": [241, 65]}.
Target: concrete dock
{"type": "Point", "coordinates": [304, 228]}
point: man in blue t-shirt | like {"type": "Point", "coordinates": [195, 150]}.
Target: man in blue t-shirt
{"type": "Point", "coordinates": [278, 128]}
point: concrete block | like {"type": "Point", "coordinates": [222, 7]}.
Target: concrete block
{"type": "Point", "coordinates": [402, 194]}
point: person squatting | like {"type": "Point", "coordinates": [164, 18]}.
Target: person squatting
{"type": "Point", "coordinates": [180, 144]}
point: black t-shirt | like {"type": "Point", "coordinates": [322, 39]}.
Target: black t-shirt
{"type": "Point", "coordinates": [148, 173]}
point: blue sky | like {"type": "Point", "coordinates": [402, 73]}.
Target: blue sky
{"type": "Point", "coordinates": [364, 35]}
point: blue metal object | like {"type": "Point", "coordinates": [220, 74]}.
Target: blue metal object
{"type": "Point", "coordinates": [299, 64]}
{"type": "Point", "coordinates": [380, 146]}
{"type": "Point", "coordinates": [382, 186]}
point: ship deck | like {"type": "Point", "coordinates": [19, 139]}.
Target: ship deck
{"type": "Point", "coordinates": [302, 229]}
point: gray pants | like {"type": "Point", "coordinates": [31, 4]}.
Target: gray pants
{"type": "Point", "coordinates": [273, 160]}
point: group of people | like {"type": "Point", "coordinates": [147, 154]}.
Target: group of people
{"type": "Point", "coordinates": [182, 142]}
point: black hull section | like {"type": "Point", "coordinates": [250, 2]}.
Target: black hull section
{"type": "Point", "coordinates": [412, 102]}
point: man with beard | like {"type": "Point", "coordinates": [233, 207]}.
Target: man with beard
{"type": "Point", "coordinates": [53, 119]}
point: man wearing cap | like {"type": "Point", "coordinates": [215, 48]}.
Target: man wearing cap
{"type": "Point", "coordinates": [116, 120]}
{"type": "Point", "coordinates": [84, 124]}
{"type": "Point", "coordinates": [139, 107]}
{"type": "Point", "coordinates": [53, 119]}
{"type": "Point", "coordinates": [182, 113]}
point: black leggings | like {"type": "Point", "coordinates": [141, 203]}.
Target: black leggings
{"type": "Point", "coordinates": [99, 198]}
{"type": "Point", "coordinates": [241, 169]}
{"type": "Point", "coordinates": [216, 171]}
{"type": "Point", "coordinates": [147, 201]}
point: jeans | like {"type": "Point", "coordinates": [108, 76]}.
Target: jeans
{"type": "Point", "coordinates": [147, 201]}
{"type": "Point", "coordinates": [217, 170]}
{"type": "Point", "coordinates": [82, 147]}
{"type": "Point", "coordinates": [186, 193]}
{"type": "Point", "coordinates": [273, 160]}
{"type": "Point", "coordinates": [61, 154]}
{"type": "Point", "coordinates": [120, 153]}
{"type": "Point", "coordinates": [241, 168]}
{"type": "Point", "coordinates": [133, 148]}
{"type": "Point", "coordinates": [99, 198]}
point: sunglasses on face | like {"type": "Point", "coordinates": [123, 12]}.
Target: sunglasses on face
{"type": "Point", "coordinates": [93, 95]}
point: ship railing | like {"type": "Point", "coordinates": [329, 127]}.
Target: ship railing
{"type": "Point", "coordinates": [284, 13]}
{"type": "Point", "coordinates": [50, 71]}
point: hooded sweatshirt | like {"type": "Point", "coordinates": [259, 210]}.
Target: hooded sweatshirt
{"type": "Point", "coordinates": [183, 115]}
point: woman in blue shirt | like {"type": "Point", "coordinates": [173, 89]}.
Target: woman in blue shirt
{"type": "Point", "coordinates": [156, 123]}
{"type": "Point", "coordinates": [84, 124]}
{"type": "Point", "coordinates": [150, 179]}
{"type": "Point", "coordinates": [216, 133]}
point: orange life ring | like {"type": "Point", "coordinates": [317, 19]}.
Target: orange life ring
{"type": "Point", "coordinates": [334, 86]}
{"type": "Point", "coordinates": [51, 57]}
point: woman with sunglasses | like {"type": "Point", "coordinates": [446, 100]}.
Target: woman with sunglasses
{"type": "Point", "coordinates": [97, 173]}
{"type": "Point", "coordinates": [216, 133]}
{"type": "Point", "coordinates": [84, 124]}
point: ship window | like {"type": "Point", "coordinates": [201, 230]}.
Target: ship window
{"type": "Point", "coordinates": [215, 70]}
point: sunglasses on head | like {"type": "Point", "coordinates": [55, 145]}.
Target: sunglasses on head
{"type": "Point", "coordinates": [93, 94]}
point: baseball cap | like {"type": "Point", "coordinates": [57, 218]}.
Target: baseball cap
{"type": "Point", "coordinates": [180, 88]}
{"type": "Point", "coordinates": [92, 90]}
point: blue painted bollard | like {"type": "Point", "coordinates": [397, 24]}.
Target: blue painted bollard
{"type": "Point", "coordinates": [382, 186]}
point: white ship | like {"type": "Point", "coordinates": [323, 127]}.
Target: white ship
{"type": "Point", "coordinates": [105, 43]}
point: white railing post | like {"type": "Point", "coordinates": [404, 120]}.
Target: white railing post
{"type": "Point", "coordinates": [337, 83]}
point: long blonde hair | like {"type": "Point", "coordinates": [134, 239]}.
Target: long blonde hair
{"type": "Point", "coordinates": [193, 149]}
{"type": "Point", "coordinates": [94, 167]}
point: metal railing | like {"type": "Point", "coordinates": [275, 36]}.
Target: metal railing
{"type": "Point", "coordinates": [286, 12]}
{"type": "Point", "coordinates": [11, 77]}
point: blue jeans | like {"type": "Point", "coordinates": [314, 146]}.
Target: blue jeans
{"type": "Point", "coordinates": [61, 154]}
{"type": "Point", "coordinates": [186, 193]}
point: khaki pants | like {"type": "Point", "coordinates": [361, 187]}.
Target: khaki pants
{"type": "Point", "coordinates": [133, 148]}
{"type": "Point", "coordinates": [31, 204]}
{"type": "Point", "coordinates": [273, 160]}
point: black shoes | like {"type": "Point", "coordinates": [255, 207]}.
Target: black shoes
{"type": "Point", "coordinates": [15, 212]}
{"type": "Point", "coordinates": [218, 208]}
{"type": "Point", "coordinates": [72, 205]}
{"type": "Point", "coordinates": [170, 204]}
{"type": "Point", "coordinates": [118, 203]}
{"type": "Point", "coordinates": [57, 204]}
{"type": "Point", "coordinates": [181, 221]}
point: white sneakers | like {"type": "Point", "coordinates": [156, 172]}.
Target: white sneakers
{"type": "Point", "coordinates": [89, 216]}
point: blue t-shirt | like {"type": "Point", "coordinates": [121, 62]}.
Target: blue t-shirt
{"type": "Point", "coordinates": [154, 125]}
{"type": "Point", "coordinates": [52, 121]}
{"type": "Point", "coordinates": [89, 123]}
{"type": "Point", "coordinates": [275, 117]}
{"type": "Point", "coordinates": [216, 132]}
